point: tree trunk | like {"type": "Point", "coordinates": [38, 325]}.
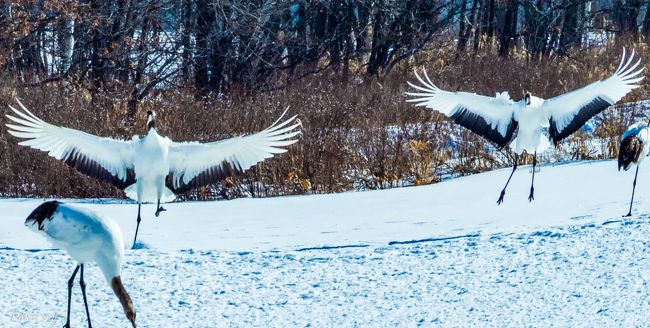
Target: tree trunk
{"type": "Point", "coordinates": [204, 21]}
{"type": "Point", "coordinates": [509, 27]}
{"type": "Point", "coordinates": [474, 16]}
{"type": "Point", "coordinates": [66, 43]}
{"type": "Point", "coordinates": [377, 51]}
{"type": "Point", "coordinates": [570, 28]}
{"type": "Point", "coordinates": [186, 31]}
{"type": "Point", "coordinates": [646, 22]}
{"type": "Point", "coordinates": [490, 19]}
{"type": "Point", "coordinates": [98, 41]}
{"type": "Point", "coordinates": [626, 13]}
{"type": "Point", "coordinates": [134, 97]}
{"type": "Point", "coordinates": [115, 45]}
{"type": "Point", "coordinates": [462, 28]}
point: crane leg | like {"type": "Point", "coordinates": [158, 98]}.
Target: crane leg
{"type": "Point", "coordinates": [629, 213]}
{"type": "Point", "coordinates": [503, 192]}
{"type": "Point", "coordinates": [137, 226]}
{"type": "Point", "coordinates": [531, 197]}
{"type": "Point", "coordinates": [159, 208]}
{"type": "Point", "coordinates": [70, 282]}
{"type": "Point", "coordinates": [82, 284]}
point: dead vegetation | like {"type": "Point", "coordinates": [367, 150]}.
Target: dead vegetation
{"type": "Point", "coordinates": [359, 133]}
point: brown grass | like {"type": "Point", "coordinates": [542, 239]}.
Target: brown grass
{"type": "Point", "coordinates": [358, 133]}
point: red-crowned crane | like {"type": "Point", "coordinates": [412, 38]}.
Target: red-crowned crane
{"type": "Point", "coordinates": [520, 124]}
{"type": "Point", "coordinates": [152, 168]}
{"type": "Point", "coordinates": [86, 237]}
{"type": "Point", "coordinates": [634, 148]}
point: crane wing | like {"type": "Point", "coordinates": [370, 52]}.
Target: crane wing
{"type": "Point", "coordinates": [490, 117]}
{"type": "Point", "coordinates": [106, 159]}
{"type": "Point", "coordinates": [194, 164]}
{"type": "Point", "coordinates": [568, 112]}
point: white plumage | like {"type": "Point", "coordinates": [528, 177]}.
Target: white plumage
{"type": "Point", "coordinates": [87, 237]}
{"type": "Point", "coordinates": [189, 159]}
{"type": "Point", "coordinates": [498, 118]}
{"type": "Point", "coordinates": [152, 168]}
{"type": "Point", "coordinates": [521, 124]}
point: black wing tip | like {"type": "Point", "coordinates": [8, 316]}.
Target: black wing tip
{"type": "Point", "coordinates": [478, 125]}
{"type": "Point", "coordinates": [43, 212]}
{"type": "Point", "coordinates": [553, 133]}
{"type": "Point", "coordinates": [208, 176]}
{"type": "Point", "coordinates": [584, 114]}
{"type": "Point", "coordinates": [81, 163]}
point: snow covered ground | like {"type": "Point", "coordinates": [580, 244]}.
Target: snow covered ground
{"type": "Point", "coordinates": [439, 255]}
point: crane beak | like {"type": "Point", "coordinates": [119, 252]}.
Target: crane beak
{"type": "Point", "coordinates": [133, 323]}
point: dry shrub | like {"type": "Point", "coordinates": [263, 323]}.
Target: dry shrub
{"type": "Point", "coordinates": [358, 133]}
{"type": "Point", "coordinates": [422, 162]}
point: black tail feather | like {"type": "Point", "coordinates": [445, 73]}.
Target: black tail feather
{"type": "Point", "coordinates": [629, 152]}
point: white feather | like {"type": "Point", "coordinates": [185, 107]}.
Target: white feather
{"type": "Point", "coordinates": [152, 157]}
{"type": "Point", "coordinates": [115, 156]}
{"type": "Point", "coordinates": [531, 118]}
{"type": "Point", "coordinates": [562, 109]}
{"type": "Point", "coordinates": [497, 111]}
{"type": "Point", "coordinates": [86, 236]}
{"type": "Point", "coordinates": [188, 159]}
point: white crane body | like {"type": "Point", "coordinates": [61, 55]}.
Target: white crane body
{"type": "Point", "coordinates": [521, 125]}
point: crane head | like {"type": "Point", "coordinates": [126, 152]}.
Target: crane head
{"type": "Point", "coordinates": [151, 120]}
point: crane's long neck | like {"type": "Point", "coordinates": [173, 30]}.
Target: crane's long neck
{"type": "Point", "coordinates": [125, 299]}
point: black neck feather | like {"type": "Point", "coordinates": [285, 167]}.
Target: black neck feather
{"type": "Point", "coordinates": [42, 212]}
